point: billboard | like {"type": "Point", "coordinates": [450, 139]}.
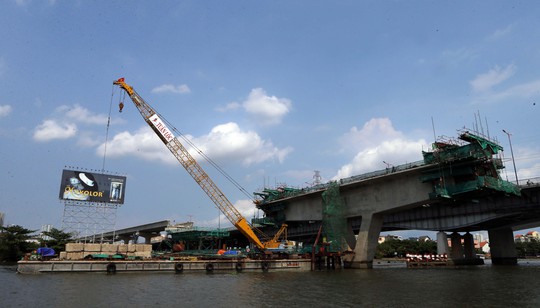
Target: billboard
{"type": "Point", "coordinates": [78, 185]}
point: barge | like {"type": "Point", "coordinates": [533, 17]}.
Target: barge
{"type": "Point", "coordinates": [172, 266]}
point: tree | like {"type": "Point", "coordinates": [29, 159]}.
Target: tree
{"type": "Point", "coordinates": [14, 244]}
{"type": "Point", "coordinates": [528, 249]}
{"type": "Point", "coordinates": [58, 240]}
{"type": "Point", "coordinates": [392, 248]}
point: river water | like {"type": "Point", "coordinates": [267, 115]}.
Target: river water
{"type": "Point", "coordinates": [474, 286]}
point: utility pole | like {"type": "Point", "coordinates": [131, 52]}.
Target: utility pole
{"type": "Point", "coordinates": [512, 153]}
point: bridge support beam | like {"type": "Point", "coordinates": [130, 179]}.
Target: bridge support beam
{"type": "Point", "coordinates": [502, 246]}
{"type": "Point", "coordinates": [468, 246]}
{"type": "Point", "coordinates": [147, 237]}
{"type": "Point", "coordinates": [442, 243]}
{"type": "Point", "coordinates": [367, 241]}
{"type": "Point", "coordinates": [457, 247]}
{"type": "Point", "coordinates": [125, 238]}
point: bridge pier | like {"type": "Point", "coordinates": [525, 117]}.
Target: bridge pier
{"type": "Point", "coordinates": [457, 248]}
{"type": "Point", "coordinates": [468, 246]}
{"type": "Point", "coordinates": [502, 246]}
{"type": "Point", "coordinates": [147, 237]}
{"type": "Point", "coordinates": [125, 238]}
{"type": "Point", "coordinates": [366, 244]}
{"type": "Point", "coordinates": [442, 243]}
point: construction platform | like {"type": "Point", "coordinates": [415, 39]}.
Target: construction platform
{"type": "Point", "coordinates": [173, 266]}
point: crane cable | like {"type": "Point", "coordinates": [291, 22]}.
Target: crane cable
{"type": "Point", "coordinates": [208, 159]}
{"type": "Point", "coordinates": [107, 132]}
{"type": "Point", "coordinates": [121, 97]}
{"type": "Point", "coordinates": [190, 143]}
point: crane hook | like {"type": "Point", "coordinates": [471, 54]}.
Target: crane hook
{"type": "Point", "coordinates": [120, 106]}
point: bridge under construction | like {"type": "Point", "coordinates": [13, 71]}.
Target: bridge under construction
{"type": "Point", "coordinates": [457, 187]}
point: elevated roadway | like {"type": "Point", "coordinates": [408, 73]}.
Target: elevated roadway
{"type": "Point", "coordinates": [456, 188]}
{"type": "Point", "coordinates": [147, 231]}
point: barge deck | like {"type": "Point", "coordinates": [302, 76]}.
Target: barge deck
{"type": "Point", "coordinates": [173, 266]}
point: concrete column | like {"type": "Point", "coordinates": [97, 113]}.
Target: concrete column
{"type": "Point", "coordinates": [442, 243]}
{"type": "Point", "coordinates": [147, 237]}
{"type": "Point", "coordinates": [457, 248]}
{"type": "Point", "coordinates": [468, 246]}
{"type": "Point", "coordinates": [367, 241]}
{"type": "Point", "coordinates": [125, 238]}
{"type": "Point", "coordinates": [502, 246]}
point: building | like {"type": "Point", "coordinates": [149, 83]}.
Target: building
{"type": "Point", "coordinates": [45, 228]}
{"type": "Point", "coordinates": [530, 236]}
{"type": "Point", "coordinates": [484, 246]}
{"type": "Point", "coordinates": [387, 237]}
{"type": "Point", "coordinates": [424, 238]}
{"type": "Point", "coordinates": [533, 235]}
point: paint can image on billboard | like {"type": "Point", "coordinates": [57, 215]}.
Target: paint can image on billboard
{"type": "Point", "coordinates": [79, 185]}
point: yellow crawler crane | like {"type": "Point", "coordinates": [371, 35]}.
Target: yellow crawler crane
{"type": "Point", "coordinates": [194, 169]}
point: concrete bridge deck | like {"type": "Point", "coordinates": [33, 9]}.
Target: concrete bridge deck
{"type": "Point", "coordinates": [457, 188]}
{"type": "Point", "coordinates": [146, 231]}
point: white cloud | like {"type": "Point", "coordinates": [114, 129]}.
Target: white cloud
{"type": "Point", "coordinates": [499, 33]}
{"type": "Point", "coordinates": [27, 2]}
{"type": "Point", "coordinates": [142, 144]}
{"type": "Point", "coordinates": [65, 124]}
{"type": "Point", "coordinates": [527, 163]}
{"type": "Point", "coordinates": [376, 143]}
{"type": "Point", "coordinates": [82, 115]}
{"type": "Point", "coordinates": [5, 110]}
{"type": "Point", "coordinates": [525, 90]}
{"type": "Point", "coordinates": [229, 106]}
{"type": "Point", "coordinates": [486, 81]}
{"type": "Point", "coordinates": [245, 207]}
{"type": "Point", "coordinates": [229, 142]}
{"type": "Point", "coordinates": [267, 109]}
{"type": "Point", "coordinates": [89, 140]}
{"type": "Point", "coordinates": [51, 130]}
{"type": "Point", "coordinates": [169, 88]}
{"type": "Point", "coordinates": [226, 142]}
{"type": "Point", "coordinates": [457, 56]}
{"type": "Point", "coordinates": [369, 135]}
{"type": "Point", "coordinates": [530, 172]}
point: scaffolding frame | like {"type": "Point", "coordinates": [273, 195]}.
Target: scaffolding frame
{"type": "Point", "coordinates": [334, 220]}
{"type": "Point", "coordinates": [88, 221]}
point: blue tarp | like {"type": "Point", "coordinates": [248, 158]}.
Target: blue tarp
{"type": "Point", "coordinates": [45, 251]}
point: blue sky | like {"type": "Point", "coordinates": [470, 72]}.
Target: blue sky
{"type": "Point", "coordinates": [271, 90]}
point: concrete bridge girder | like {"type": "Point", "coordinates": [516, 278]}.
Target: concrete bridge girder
{"type": "Point", "coordinates": [367, 200]}
{"type": "Point", "coordinates": [400, 201]}
{"type": "Point", "coordinates": [385, 194]}
{"type": "Point", "coordinates": [493, 211]}
{"type": "Point", "coordinates": [448, 223]}
{"type": "Point", "coordinates": [377, 195]}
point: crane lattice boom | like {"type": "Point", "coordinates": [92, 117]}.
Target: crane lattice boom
{"type": "Point", "coordinates": [190, 164]}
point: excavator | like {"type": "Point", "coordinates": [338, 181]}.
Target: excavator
{"type": "Point", "coordinates": [200, 176]}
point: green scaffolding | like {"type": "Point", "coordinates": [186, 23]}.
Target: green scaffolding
{"type": "Point", "coordinates": [466, 167]}
{"type": "Point", "coordinates": [199, 238]}
{"type": "Point", "coordinates": [334, 220]}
